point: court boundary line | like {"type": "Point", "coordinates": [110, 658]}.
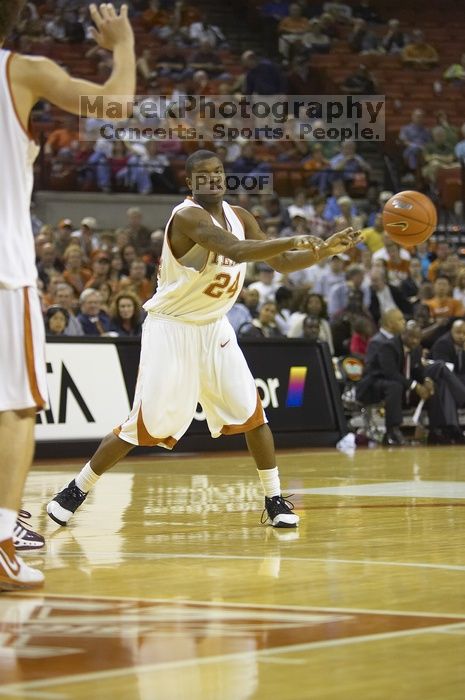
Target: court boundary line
{"type": "Point", "coordinates": [364, 562]}
{"type": "Point", "coordinates": [22, 688]}
{"type": "Point", "coordinates": [234, 604]}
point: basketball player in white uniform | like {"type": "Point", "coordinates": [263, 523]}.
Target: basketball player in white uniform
{"type": "Point", "coordinates": [23, 81]}
{"type": "Point", "coordinates": [189, 349]}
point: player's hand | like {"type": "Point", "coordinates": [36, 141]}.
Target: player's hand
{"type": "Point", "coordinates": [111, 29]}
{"type": "Point", "coordinates": [307, 243]}
{"type": "Point", "coordinates": [429, 385]}
{"type": "Point", "coordinates": [341, 241]}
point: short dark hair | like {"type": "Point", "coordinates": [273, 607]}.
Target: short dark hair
{"type": "Point", "coordinates": [198, 157]}
{"type": "Point", "coordinates": [9, 13]}
{"type": "Point", "coordinates": [283, 294]}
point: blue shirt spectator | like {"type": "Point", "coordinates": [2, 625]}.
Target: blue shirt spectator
{"type": "Point", "coordinates": [93, 320]}
{"type": "Point", "coordinates": [460, 147]}
{"type": "Point", "coordinates": [414, 136]}
{"type": "Point", "coordinates": [238, 315]}
{"type": "Point", "coordinates": [263, 77]}
{"type": "Point", "coordinates": [275, 8]}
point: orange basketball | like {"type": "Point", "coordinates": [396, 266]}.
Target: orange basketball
{"type": "Point", "coordinates": [409, 218]}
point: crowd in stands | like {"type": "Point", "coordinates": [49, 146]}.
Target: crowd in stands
{"type": "Point", "coordinates": [97, 280]}
{"type": "Point", "coordinates": [94, 281]}
{"type": "Point", "coordinates": [183, 53]}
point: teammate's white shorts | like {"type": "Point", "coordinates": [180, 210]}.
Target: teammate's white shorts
{"type": "Point", "coordinates": [180, 365]}
{"type": "Point", "coordinates": [23, 379]}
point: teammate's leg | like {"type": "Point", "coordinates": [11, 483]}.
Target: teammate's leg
{"type": "Point", "coordinates": [17, 441]}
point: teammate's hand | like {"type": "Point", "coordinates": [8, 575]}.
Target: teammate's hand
{"type": "Point", "coordinates": [307, 243]}
{"type": "Point", "coordinates": [341, 241]}
{"type": "Point", "coordinates": [111, 28]}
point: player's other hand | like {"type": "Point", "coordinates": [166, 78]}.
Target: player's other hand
{"type": "Point", "coordinates": [111, 29]}
{"type": "Point", "coordinates": [342, 240]}
{"type": "Point", "coordinates": [307, 243]}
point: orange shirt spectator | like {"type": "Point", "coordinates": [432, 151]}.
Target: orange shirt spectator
{"type": "Point", "coordinates": [154, 17]}
{"type": "Point", "coordinates": [442, 305]}
{"type": "Point", "coordinates": [418, 52]}
{"type": "Point", "coordinates": [60, 138]}
{"type": "Point", "coordinates": [295, 23]}
{"type": "Point", "coordinates": [442, 252]}
{"type": "Point", "coordinates": [444, 308]}
{"type": "Point", "coordinates": [137, 281]}
{"type": "Point", "coordinates": [316, 161]}
{"type": "Point", "coordinates": [75, 274]}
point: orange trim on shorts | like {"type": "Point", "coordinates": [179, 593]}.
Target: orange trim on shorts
{"type": "Point", "coordinates": [27, 130]}
{"type": "Point", "coordinates": [29, 354]}
{"type": "Point", "coordinates": [255, 421]}
{"type": "Point", "coordinates": [144, 437]}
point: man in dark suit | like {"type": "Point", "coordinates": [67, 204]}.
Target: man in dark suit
{"type": "Point", "coordinates": [367, 392]}
{"type": "Point", "coordinates": [400, 360]}
{"type": "Point", "coordinates": [397, 374]}
{"type": "Point", "coordinates": [384, 296]}
{"type": "Point", "coordinates": [392, 323]}
{"type": "Point", "coordinates": [451, 348]}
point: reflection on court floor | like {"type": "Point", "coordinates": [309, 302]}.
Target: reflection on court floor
{"type": "Point", "coordinates": [165, 585]}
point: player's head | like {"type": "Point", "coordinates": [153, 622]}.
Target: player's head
{"type": "Point", "coordinates": [422, 315]}
{"type": "Point", "coordinates": [205, 176]}
{"type": "Point", "coordinates": [393, 321]}
{"type": "Point", "coordinates": [311, 328]}
{"type": "Point", "coordinates": [458, 332]}
{"type": "Point", "coordinates": [9, 13]}
{"type": "Point", "coordinates": [411, 335]}
{"type": "Point", "coordinates": [442, 286]}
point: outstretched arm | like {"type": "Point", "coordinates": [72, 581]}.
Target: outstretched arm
{"type": "Point", "coordinates": [289, 261]}
{"type": "Point", "coordinates": [195, 225]}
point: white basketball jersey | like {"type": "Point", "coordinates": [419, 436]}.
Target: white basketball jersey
{"type": "Point", "coordinates": [201, 286]}
{"type": "Point", "coordinates": [18, 152]}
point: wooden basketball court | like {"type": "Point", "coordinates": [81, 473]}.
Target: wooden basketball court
{"type": "Point", "coordinates": [166, 585]}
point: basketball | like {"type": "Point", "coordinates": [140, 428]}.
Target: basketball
{"type": "Point", "coordinates": [409, 218]}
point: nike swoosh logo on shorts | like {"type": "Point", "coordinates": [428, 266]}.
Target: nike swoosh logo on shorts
{"type": "Point", "coordinates": [222, 345]}
{"type": "Point", "coordinates": [11, 567]}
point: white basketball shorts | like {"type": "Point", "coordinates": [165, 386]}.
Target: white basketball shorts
{"type": "Point", "coordinates": [23, 379]}
{"type": "Point", "coordinates": [180, 365]}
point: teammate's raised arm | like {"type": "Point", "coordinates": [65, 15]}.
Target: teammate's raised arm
{"type": "Point", "coordinates": [196, 225]}
{"type": "Point", "coordinates": [40, 78]}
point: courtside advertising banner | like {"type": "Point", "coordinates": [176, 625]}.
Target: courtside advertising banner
{"type": "Point", "coordinates": [91, 388]}
{"type": "Point", "coordinates": [87, 392]}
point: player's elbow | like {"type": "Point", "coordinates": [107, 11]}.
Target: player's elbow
{"type": "Point", "coordinates": [238, 255]}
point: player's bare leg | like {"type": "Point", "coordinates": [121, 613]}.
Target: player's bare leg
{"type": "Point", "coordinates": [17, 441]}
{"type": "Point", "coordinates": [261, 446]}
{"type": "Point", "coordinates": [110, 451]}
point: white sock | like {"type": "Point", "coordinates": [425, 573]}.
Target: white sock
{"type": "Point", "coordinates": [270, 481]}
{"type": "Point", "coordinates": [86, 478]}
{"type": "Point", "coordinates": [7, 523]}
